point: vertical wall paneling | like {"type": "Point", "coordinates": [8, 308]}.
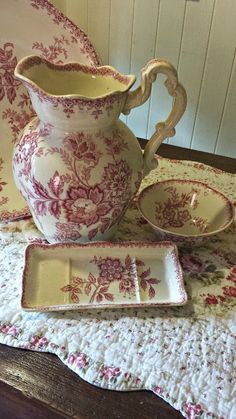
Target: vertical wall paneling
{"type": "Point", "coordinates": [198, 37]}
{"type": "Point", "coordinates": [121, 39]}
{"type": "Point", "coordinates": [143, 47]}
{"type": "Point", "coordinates": [194, 43]}
{"type": "Point", "coordinates": [99, 26]}
{"type": "Point", "coordinates": [121, 36]}
{"type": "Point", "coordinates": [77, 11]}
{"type": "Point", "coordinates": [216, 76]}
{"type": "Point", "coordinates": [171, 14]}
{"type": "Point", "coordinates": [226, 141]}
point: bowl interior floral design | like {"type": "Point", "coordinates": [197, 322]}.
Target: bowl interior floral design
{"type": "Point", "coordinates": [185, 211]}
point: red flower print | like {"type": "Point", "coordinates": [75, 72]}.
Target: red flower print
{"type": "Point", "coordinates": [9, 329]}
{"type": "Point", "coordinates": [110, 269]}
{"type": "Point", "coordinates": [71, 358]}
{"type": "Point", "coordinates": [193, 411]}
{"type": "Point", "coordinates": [39, 341]}
{"type": "Point", "coordinates": [79, 360]}
{"type": "Point", "coordinates": [17, 120]}
{"type": "Point", "coordinates": [229, 291]}
{"type": "Point", "coordinates": [232, 274]}
{"type": "Point", "coordinates": [184, 216]}
{"type": "Point", "coordinates": [211, 299]}
{"type": "Point", "coordinates": [116, 179]}
{"type": "Point", "coordinates": [116, 144]}
{"type": "Point", "coordinates": [173, 213]}
{"type": "Point", "coordinates": [8, 83]}
{"type": "Point", "coordinates": [110, 372]}
{"type": "Point", "coordinates": [74, 288]}
{"type": "Point", "coordinates": [127, 286]}
{"type": "Point", "coordinates": [173, 217]}
{"type": "Point", "coordinates": [85, 206]}
{"type": "Point", "coordinates": [52, 52]}
{"type": "Point", "coordinates": [158, 390]}
{"type": "Point", "coordinates": [168, 214]}
{"type": "Point", "coordinates": [67, 231]}
{"type": "Point", "coordinates": [82, 147]}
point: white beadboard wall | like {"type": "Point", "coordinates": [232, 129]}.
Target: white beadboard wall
{"type": "Point", "coordinates": [197, 36]}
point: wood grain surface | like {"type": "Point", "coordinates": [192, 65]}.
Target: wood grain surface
{"type": "Point", "coordinates": [37, 385]}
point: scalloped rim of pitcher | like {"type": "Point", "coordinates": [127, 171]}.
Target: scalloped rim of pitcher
{"type": "Point", "coordinates": [30, 60]}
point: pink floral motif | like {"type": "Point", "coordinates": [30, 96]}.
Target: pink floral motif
{"type": "Point", "coordinates": [52, 52]}
{"type": "Point", "coordinates": [173, 213]}
{"type": "Point", "coordinates": [229, 291]}
{"type": "Point", "coordinates": [76, 33]}
{"type": "Point", "coordinates": [111, 271]}
{"type": "Point", "coordinates": [147, 283]}
{"type": "Point", "coordinates": [109, 373]}
{"type": "Point", "coordinates": [28, 146]}
{"type": "Point", "coordinates": [78, 359]}
{"type": "Point", "coordinates": [95, 107]}
{"type": "Point", "coordinates": [17, 120]}
{"type": "Point", "coordinates": [213, 299]}
{"type": "Point", "coordinates": [10, 329]}
{"type": "Point", "coordinates": [116, 178]}
{"type": "Point", "coordinates": [115, 144]}
{"type": "Point", "coordinates": [158, 390]}
{"type": "Point", "coordinates": [82, 147]}
{"type": "Point", "coordinates": [39, 341]}
{"type": "Point", "coordinates": [44, 200]}
{"type": "Point", "coordinates": [85, 206]}
{"type": "Point", "coordinates": [3, 199]}
{"type": "Point", "coordinates": [67, 231]}
{"type": "Point", "coordinates": [8, 83]}
{"type": "Point", "coordinates": [126, 287]}
{"type": "Point", "coordinates": [232, 274]}
{"type": "Point", "coordinates": [193, 411]}
{"type": "Point", "coordinates": [94, 182]}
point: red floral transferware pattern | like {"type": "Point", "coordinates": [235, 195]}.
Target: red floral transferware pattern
{"type": "Point", "coordinates": [71, 198]}
{"type": "Point", "coordinates": [94, 107]}
{"type": "Point", "coordinates": [76, 33]}
{"type": "Point", "coordinates": [3, 199]}
{"type": "Point", "coordinates": [199, 382]}
{"type": "Point", "coordinates": [93, 171]}
{"type": "Point", "coordinates": [68, 43]}
{"type": "Point", "coordinates": [173, 213]}
{"type": "Point", "coordinates": [112, 271]}
{"type": "Point", "coordinates": [8, 83]}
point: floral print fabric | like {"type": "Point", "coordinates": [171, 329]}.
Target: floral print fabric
{"type": "Point", "coordinates": [185, 355]}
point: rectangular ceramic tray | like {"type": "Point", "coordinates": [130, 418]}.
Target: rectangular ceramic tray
{"type": "Point", "coordinates": [101, 275]}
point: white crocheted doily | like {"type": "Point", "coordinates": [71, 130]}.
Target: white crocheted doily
{"type": "Point", "coordinates": [186, 355]}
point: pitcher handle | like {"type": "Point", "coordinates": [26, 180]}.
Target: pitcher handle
{"type": "Point", "coordinates": [141, 94]}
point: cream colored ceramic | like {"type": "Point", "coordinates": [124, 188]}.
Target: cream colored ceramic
{"type": "Point", "coordinates": [185, 211]}
{"type": "Point", "coordinates": [77, 165]}
{"type": "Point", "coordinates": [77, 276]}
{"type": "Point", "coordinates": [29, 27]}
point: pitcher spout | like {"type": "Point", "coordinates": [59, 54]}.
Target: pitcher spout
{"type": "Point", "coordinates": [72, 79]}
{"type": "Point", "coordinates": [74, 89]}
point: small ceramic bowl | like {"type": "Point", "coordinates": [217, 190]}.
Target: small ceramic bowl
{"type": "Point", "coordinates": [185, 211]}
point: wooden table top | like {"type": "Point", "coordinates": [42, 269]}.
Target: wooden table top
{"type": "Point", "coordinates": [38, 385]}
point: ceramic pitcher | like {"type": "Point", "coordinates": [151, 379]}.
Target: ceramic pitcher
{"type": "Point", "coordinates": [76, 164]}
